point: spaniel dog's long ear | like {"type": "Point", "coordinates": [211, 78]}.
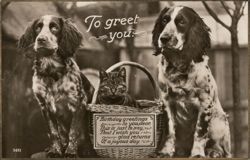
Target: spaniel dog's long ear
{"type": "Point", "coordinates": [158, 28]}
{"type": "Point", "coordinates": [198, 39]}
{"type": "Point", "coordinates": [28, 38]}
{"type": "Point", "coordinates": [71, 38]}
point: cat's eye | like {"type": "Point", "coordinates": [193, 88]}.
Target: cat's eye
{"type": "Point", "coordinates": [121, 87]}
{"type": "Point", "coordinates": [103, 88]}
{"type": "Point", "coordinates": [103, 79]}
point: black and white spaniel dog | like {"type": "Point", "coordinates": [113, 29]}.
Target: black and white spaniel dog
{"type": "Point", "coordinates": [60, 88]}
{"type": "Point", "coordinates": [197, 124]}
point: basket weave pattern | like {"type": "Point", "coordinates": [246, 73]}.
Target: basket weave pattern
{"type": "Point", "coordinates": [118, 152]}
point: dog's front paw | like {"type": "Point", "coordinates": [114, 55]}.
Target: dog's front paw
{"type": "Point", "coordinates": [70, 153]}
{"type": "Point", "coordinates": [215, 154]}
{"type": "Point", "coordinates": [198, 150]}
{"type": "Point", "coordinates": [164, 155]}
{"type": "Point", "coordinates": [54, 152]}
{"type": "Point", "coordinates": [167, 151]}
{"type": "Point", "coordinates": [197, 153]}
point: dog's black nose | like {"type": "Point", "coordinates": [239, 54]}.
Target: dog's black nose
{"type": "Point", "coordinates": [41, 39]}
{"type": "Point", "coordinates": [165, 39]}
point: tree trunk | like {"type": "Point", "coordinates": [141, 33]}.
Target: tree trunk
{"type": "Point", "coordinates": [236, 88]}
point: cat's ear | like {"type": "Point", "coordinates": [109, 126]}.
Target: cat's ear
{"type": "Point", "coordinates": [103, 74]}
{"type": "Point", "coordinates": [122, 73]}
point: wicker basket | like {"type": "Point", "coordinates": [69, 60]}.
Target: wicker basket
{"type": "Point", "coordinates": [146, 106]}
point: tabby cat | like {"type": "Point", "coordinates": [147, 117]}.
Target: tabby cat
{"type": "Point", "coordinates": [113, 89]}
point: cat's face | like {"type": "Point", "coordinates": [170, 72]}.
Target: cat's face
{"type": "Point", "coordinates": [112, 85]}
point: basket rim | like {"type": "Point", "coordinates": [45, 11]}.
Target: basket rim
{"type": "Point", "coordinates": [121, 109]}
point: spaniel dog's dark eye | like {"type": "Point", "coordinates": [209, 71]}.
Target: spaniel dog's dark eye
{"type": "Point", "coordinates": [165, 19]}
{"type": "Point", "coordinates": [39, 27]}
{"type": "Point", "coordinates": [181, 21]}
{"type": "Point", "coordinates": [54, 27]}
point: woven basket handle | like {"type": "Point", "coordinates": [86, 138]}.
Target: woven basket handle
{"type": "Point", "coordinates": [133, 64]}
